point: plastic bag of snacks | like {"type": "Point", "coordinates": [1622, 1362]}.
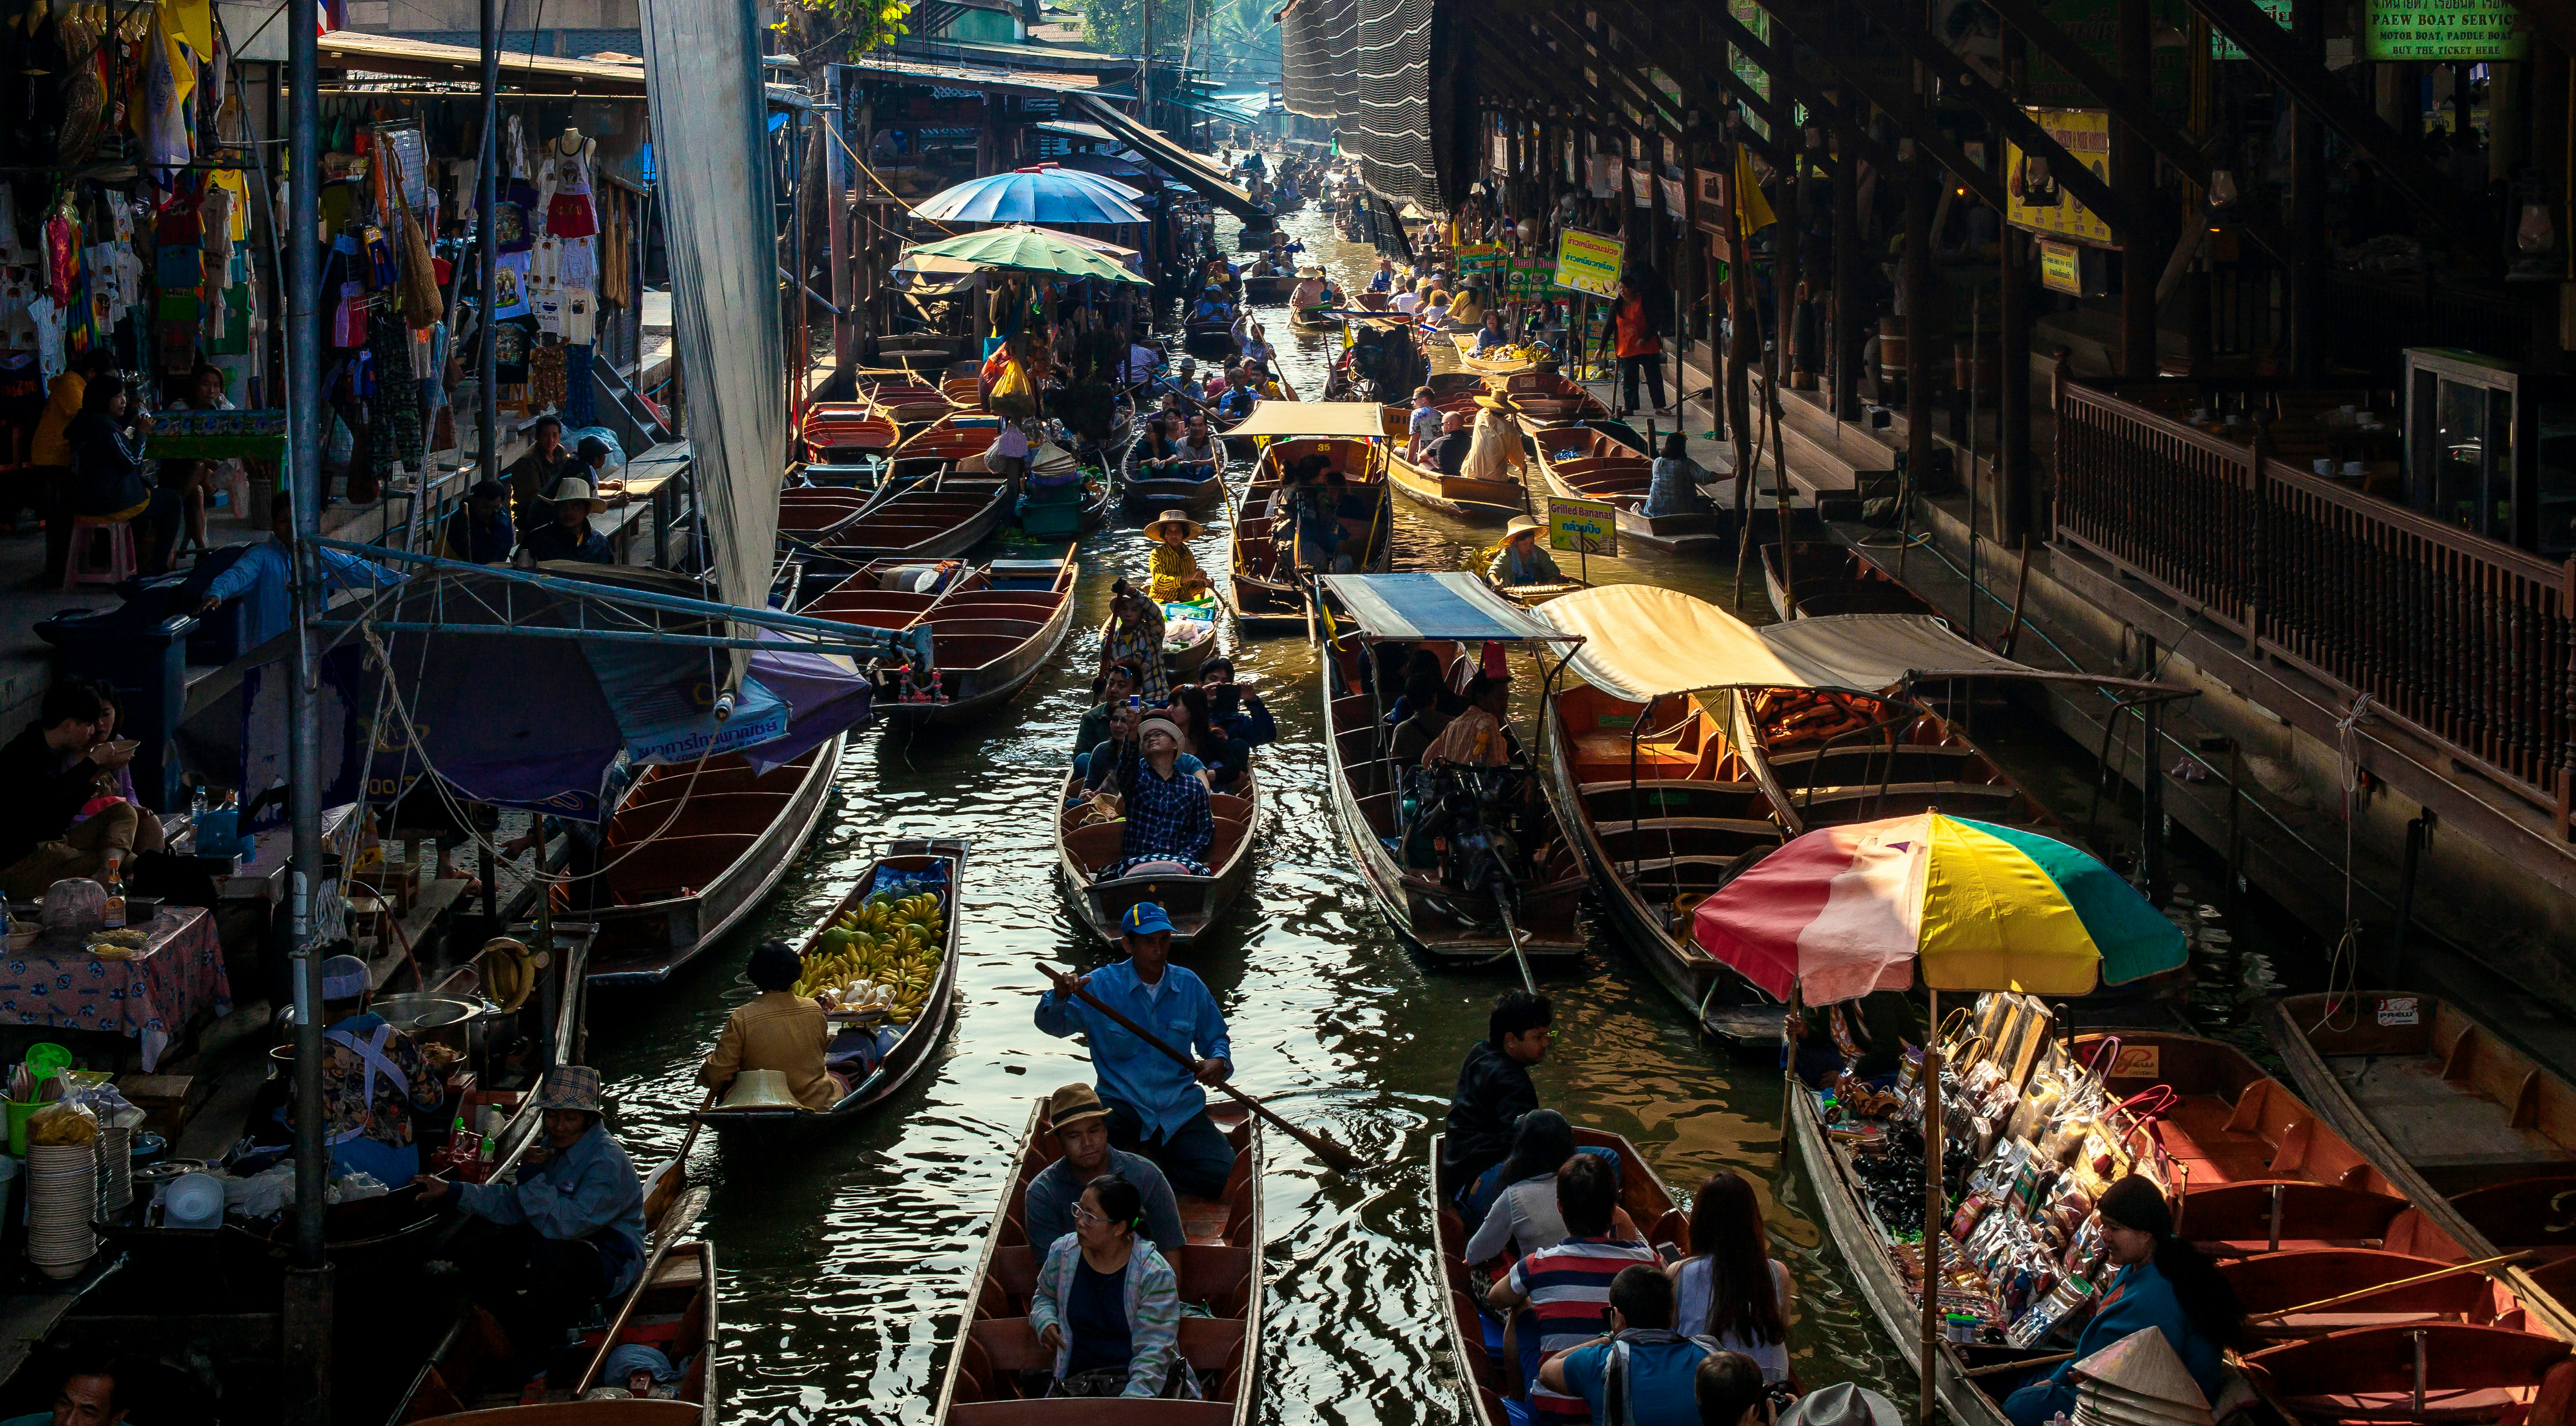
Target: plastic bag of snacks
{"type": "Point", "coordinates": [66, 1121]}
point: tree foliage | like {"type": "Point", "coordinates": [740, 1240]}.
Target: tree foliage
{"type": "Point", "coordinates": [851, 27]}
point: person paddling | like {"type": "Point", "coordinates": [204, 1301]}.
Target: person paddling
{"type": "Point", "coordinates": [1156, 1108]}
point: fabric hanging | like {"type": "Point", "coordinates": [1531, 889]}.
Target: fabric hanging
{"type": "Point", "coordinates": [580, 402]}
{"type": "Point", "coordinates": [546, 378]}
{"type": "Point", "coordinates": [394, 428]}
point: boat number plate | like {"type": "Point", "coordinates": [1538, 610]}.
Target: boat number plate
{"type": "Point", "coordinates": [2139, 1062]}
{"type": "Point", "coordinates": [2400, 1010]}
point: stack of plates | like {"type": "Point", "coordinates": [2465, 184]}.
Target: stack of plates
{"type": "Point", "coordinates": [115, 1170]}
{"type": "Point", "coordinates": [62, 1193]}
{"type": "Point", "coordinates": [2138, 1381]}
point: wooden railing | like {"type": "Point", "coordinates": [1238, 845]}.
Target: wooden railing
{"type": "Point", "coordinates": [2469, 641]}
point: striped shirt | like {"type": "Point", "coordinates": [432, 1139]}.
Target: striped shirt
{"type": "Point", "coordinates": [1567, 1287]}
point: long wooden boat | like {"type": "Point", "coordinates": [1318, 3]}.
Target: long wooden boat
{"type": "Point", "coordinates": [1318, 318]}
{"type": "Point", "coordinates": [469, 1381]}
{"type": "Point", "coordinates": [1210, 339]}
{"type": "Point", "coordinates": [1272, 288]}
{"type": "Point", "coordinates": [1084, 849]}
{"type": "Point", "coordinates": [1836, 579]}
{"type": "Point", "coordinates": [1261, 589]}
{"type": "Point", "coordinates": [991, 632]}
{"type": "Point", "coordinates": [1548, 398]}
{"type": "Point", "coordinates": [1664, 809]}
{"type": "Point", "coordinates": [841, 430]}
{"type": "Point", "coordinates": [691, 851]}
{"type": "Point", "coordinates": [1219, 1269]}
{"type": "Point", "coordinates": [2481, 1136]}
{"type": "Point", "coordinates": [966, 393]}
{"type": "Point", "coordinates": [1828, 759]}
{"type": "Point", "coordinates": [1167, 492]}
{"type": "Point", "coordinates": [814, 513]}
{"type": "Point", "coordinates": [1580, 463]}
{"type": "Point", "coordinates": [909, 403]}
{"type": "Point", "coordinates": [882, 1068]}
{"type": "Point", "coordinates": [936, 518]}
{"type": "Point", "coordinates": [1445, 919]}
{"type": "Point", "coordinates": [954, 438]}
{"type": "Point", "coordinates": [2295, 1214]}
{"type": "Point", "coordinates": [1475, 1337]}
{"type": "Point", "coordinates": [1487, 501]}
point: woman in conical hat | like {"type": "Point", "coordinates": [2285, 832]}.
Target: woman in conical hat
{"type": "Point", "coordinates": [1176, 576]}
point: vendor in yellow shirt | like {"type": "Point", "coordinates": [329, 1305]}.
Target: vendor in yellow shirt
{"type": "Point", "coordinates": [1176, 575]}
{"type": "Point", "coordinates": [56, 483]}
{"type": "Point", "coordinates": [777, 1030]}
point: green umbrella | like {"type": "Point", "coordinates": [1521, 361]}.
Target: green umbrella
{"type": "Point", "coordinates": [1026, 250]}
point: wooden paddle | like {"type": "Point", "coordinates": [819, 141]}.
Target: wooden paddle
{"type": "Point", "coordinates": [1335, 1157]}
{"type": "Point", "coordinates": [678, 1221]}
{"type": "Point", "coordinates": [2025, 1364]}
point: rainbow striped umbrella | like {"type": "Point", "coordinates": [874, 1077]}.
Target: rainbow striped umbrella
{"type": "Point", "coordinates": [1843, 911]}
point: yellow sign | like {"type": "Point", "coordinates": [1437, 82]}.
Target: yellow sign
{"type": "Point", "coordinates": [2459, 31]}
{"type": "Point", "coordinates": [2035, 199]}
{"type": "Point", "coordinates": [1587, 527]}
{"type": "Point", "coordinates": [1589, 262]}
{"type": "Point", "coordinates": [2061, 268]}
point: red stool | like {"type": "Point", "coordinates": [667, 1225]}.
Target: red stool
{"type": "Point", "coordinates": [83, 566]}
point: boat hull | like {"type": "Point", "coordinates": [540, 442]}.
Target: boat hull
{"type": "Point", "coordinates": [1490, 502]}
{"type": "Point", "coordinates": [977, 692]}
{"type": "Point", "coordinates": [1195, 904]}
{"type": "Point", "coordinates": [1626, 498]}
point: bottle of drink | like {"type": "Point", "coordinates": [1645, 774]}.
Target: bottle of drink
{"type": "Point", "coordinates": [115, 898]}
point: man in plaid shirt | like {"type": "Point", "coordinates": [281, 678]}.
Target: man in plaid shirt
{"type": "Point", "coordinates": [1167, 810]}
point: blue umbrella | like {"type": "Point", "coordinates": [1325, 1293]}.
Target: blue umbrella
{"type": "Point", "coordinates": [1037, 195]}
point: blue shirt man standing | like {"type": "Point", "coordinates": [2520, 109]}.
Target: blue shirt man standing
{"type": "Point", "coordinates": [1156, 1105]}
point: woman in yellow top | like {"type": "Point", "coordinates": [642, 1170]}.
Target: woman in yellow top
{"type": "Point", "coordinates": [1176, 575]}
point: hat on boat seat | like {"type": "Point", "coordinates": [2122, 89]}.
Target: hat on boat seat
{"type": "Point", "coordinates": [760, 1089]}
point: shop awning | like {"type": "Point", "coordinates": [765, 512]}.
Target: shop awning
{"type": "Point", "coordinates": [1188, 167]}
{"type": "Point", "coordinates": [967, 76]}
{"type": "Point", "coordinates": [530, 73]}
{"type": "Point", "coordinates": [1365, 420]}
{"type": "Point", "coordinates": [1643, 642]}
{"type": "Point", "coordinates": [1437, 606]}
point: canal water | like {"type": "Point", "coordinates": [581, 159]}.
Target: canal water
{"type": "Point", "coordinates": [844, 1263]}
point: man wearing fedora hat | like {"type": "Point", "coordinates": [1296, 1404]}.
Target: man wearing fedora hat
{"type": "Point", "coordinates": [574, 1220]}
{"type": "Point", "coordinates": [1520, 561]}
{"type": "Point", "coordinates": [1080, 1124]}
{"type": "Point", "coordinates": [1156, 1107]}
{"type": "Point", "coordinates": [569, 536]}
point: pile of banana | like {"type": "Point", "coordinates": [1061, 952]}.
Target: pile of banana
{"type": "Point", "coordinates": [882, 956]}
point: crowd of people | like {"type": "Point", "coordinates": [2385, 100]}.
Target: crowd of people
{"type": "Point", "coordinates": [1152, 753]}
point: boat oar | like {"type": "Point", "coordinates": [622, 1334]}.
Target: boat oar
{"type": "Point", "coordinates": [2376, 1288]}
{"type": "Point", "coordinates": [1335, 1157]}
{"type": "Point", "coordinates": [682, 1217]}
{"type": "Point", "coordinates": [1503, 903]}
{"type": "Point", "coordinates": [2025, 1364]}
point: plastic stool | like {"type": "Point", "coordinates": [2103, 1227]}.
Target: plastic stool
{"type": "Point", "coordinates": [82, 567]}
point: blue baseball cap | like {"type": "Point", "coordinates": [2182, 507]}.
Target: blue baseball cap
{"type": "Point", "coordinates": [1144, 919]}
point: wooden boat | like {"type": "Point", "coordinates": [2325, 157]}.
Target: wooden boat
{"type": "Point", "coordinates": [1488, 501]}
{"type": "Point", "coordinates": [1465, 342]}
{"type": "Point", "coordinates": [909, 403]}
{"type": "Point", "coordinates": [880, 1069]}
{"type": "Point", "coordinates": [840, 430]}
{"type": "Point", "coordinates": [1584, 464]}
{"type": "Point", "coordinates": [1263, 592]}
{"type": "Point", "coordinates": [1084, 849]}
{"type": "Point", "coordinates": [1548, 398]}
{"type": "Point", "coordinates": [1665, 810]}
{"type": "Point", "coordinates": [1219, 1269]}
{"type": "Point", "coordinates": [813, 513]}
{"type": "Point", "coordinates": [1210, 339]}
{"type": "Point", "coordinates": [938, 517]}
{"type": "Point", "coordinates": [468, 1380]}
{"type": "Point", "coordinates": [966, 393]}
{"type": "Point", "coordinates": [1168, 492]}
{"type": "Point", "coordinates": [991, 631]}
{"type": "Point", "coordinates": [2476, 1133]}
{"type": "Point", "coordinates": [692, 850]}
{"type": "Point", "coordinates": [1837, 579]}
{"type": "Point", "coordinates": [1475, 1338]}
{"type": "Point", "coordinates": [2295, 1214]}
{"type": "Point", "coordinates": [1272, 288]}
{"type": "Point", "coordinates": [1318, 318]}
{"type": "Point", "coordinates": [1828, 759]}
{"type": "Point", "coordinates": [949, 441]}
{"type": "Point", "coordinates": [1428, 909]}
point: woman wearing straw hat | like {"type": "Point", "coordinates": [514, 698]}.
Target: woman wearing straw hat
{"type": "Point", "coordinates": [1176, 577]}
{"type": "Point", "coordinates": [1521, 561]}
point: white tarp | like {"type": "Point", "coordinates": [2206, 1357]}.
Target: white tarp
{"type": "Point", "coordinates": [1643, 642]}
{"type": "Point", "coordinates": [1365, 420]}
{"type": "Point", "coordinates": [711, 144]}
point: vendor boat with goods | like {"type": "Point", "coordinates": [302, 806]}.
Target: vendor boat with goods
{"type": "Point", "coordinates": [1270, 582]}
{"type": "Point", "coordinates": [1218, 1272]}
{"type": "Point", "coordinates": [992, 630]}
{"type": "Point", "coordinates": [1466, 858]}
{"type": "Point", "coordinates": [1466, 497]}
{"type": "Point", "coordinates": [885, 961]}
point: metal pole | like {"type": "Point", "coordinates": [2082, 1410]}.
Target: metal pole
{"type": "Point", "coordinates": [1933, 1214]}
{"type": "Point", "coordinates": [487, 393]}
{"type": "Point", "coordinates": [308, 1292]}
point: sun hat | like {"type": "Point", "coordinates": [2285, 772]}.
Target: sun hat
{"type": "Point", "coordinates": [570, 1087]}
{"type": "Point", "coordinates": [1841, 1404]}
{"type": "Point", "coordinates": [572, 488]}
{"type": "Point", "coordinates": [1073, 1103]}
{"type": "Point", "coordinates": [1492, 402]}
{"type": "Point", "coordinates": [1190, 528]}
{"type": "Point", "coordinates": [1522, 525]}
{"type": "Point", "coordinates": [344, 978]}
{"type": "Point", "coordinates": [1144, 919]}
{"type": "Point", "coordinates": [1157, 720]}
{"type": "Point", "coordinates": [760, 1089]}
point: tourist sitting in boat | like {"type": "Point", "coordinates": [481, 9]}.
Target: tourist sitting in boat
{"type": "Point", "coordinates": [1115, 687]}
{"type": "Point", "coordinates": [373, 1079]}
{"type": "Point", "coordinates": [1655, 1366]}
{"type": "Point", "coordinates": [1566, 1286]}
{"type": "Point", "coordinates": [1108, 1305]}
{"type": "Point", "coordinates": [1524, 1217]}
{"type": "Point", "coordinates": [1424, 718]}
{"type": "Point", "coordinates": [1139, 364]}
{"type": "Point", "coordinates": [1117, 762]}
{"type": "Point", "coordinates": [1136, 639]}
{"type": "Point", "coordinates": [1204, 738]}
{"type": "Point", "coordinates": [1175, 577]}
{"type": "Point", "coordinates": [1182, 380]}
{"type": "Point", "coordinates": [1423, 426]}
{"type": "Point", "coordinates": [1383, 280]}
{"type": "Point", "coordinates": [1155, 456]}
{"type": "Point", "coordinates": [1407, 298]}
{"type": "Point", "coordinates": [1156, 1106]}
{"type": "Point", "coordinates": [480, 533]}
{"type": "Point", "coordinates": [1448, 453]}
{"type": "Point", "coordinates": [2164, 1282]}
{"type": "Point", "coordinates": [547, 462]}
{"type": "Point", "coordinates": [575, 1218]}
{"type": "Point", "coordinates": [569, 535]}
{"type": "Point", "coordinates": [1235, 706]}
{"type": "Point", "coordinates": [1468, 312]}
{"type": "Point", "coordinates": [1237, 399]}
{"type": "Point", "coordinates": [1198, 447]}
{"type": "Point", "coordinates": [1435, 312]}
{"type": "Point", "coordinates": [1080, 1123]}
{"type": "Point", "coordinates": [1477, 737]}
{"type": "Point", "coordinates": [1494, 1091]}
{"type": "Point", "coordinates": [1167, 819]}
{"type": "Point", "coordinates": [1521, 560]}
{"type": "Point", "coordinates": [1731, 1288]}
{"type": "Point", "coordinates": [1267, 265]}
{"type": "Point", "coordinates": [1492, 335]}
{"type": "Point", "coordinates": [776, 1030]}
{"type": "Point", "coordinates": [1212, 308]}
{"type": "Point", "coordinates": [1673, 485]}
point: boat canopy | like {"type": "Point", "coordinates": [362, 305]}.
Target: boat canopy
{"type": "Point", "coordinates": [1363, 420]}
{"type": "Point", "coordinates": [1643, 642]}
{"type": "Point", "coordinates": [1437, 606]}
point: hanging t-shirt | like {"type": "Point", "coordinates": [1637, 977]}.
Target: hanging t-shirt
{"type": "Point", "coordinates": [579, 309]}
{"type": "Point", "coordinates": [511, 341]}
{"type": "Point", "coordinates": [510, 286]}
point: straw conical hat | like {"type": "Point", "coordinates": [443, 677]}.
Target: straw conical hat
{"type": "Point", "coordinates": [1190, 528]}
{"type": "Point", "coordinates": [760, 1089]}
{"type": "Point", "coordinates": [2143, 1364]}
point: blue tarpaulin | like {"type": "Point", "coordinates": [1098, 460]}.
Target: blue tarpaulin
{"type": "Point", "coordinates": [1436, 606]}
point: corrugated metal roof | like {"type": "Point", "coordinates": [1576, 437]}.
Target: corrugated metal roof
{"type": "Point", "coordinates": [1007, 81]}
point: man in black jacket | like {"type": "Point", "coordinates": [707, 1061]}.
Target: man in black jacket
{"type": "Point", "coordinates": [1494, 1091]}
{"type": "Point", "coordinates": [46, 774]}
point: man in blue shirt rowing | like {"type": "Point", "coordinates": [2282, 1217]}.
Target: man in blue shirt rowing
{"type": "Point", "coordinates": [1156, 1107]}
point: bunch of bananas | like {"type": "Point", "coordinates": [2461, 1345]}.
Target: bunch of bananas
{"type": "Point", "coordinates": [884, 955]}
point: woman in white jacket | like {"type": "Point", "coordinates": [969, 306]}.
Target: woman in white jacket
{"type": "Point", "coordinates": [1107, 1304]}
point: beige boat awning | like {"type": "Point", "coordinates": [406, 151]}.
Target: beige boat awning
{"type": "Point", "coordinates": [1361, 419]}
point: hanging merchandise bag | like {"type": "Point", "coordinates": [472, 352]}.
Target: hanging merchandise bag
{"type": "Point", "coordinates": [1012, 395]}
{"type": "Point", "coordinates": [421, 302]}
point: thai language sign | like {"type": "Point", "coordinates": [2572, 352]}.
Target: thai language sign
{"type": "Point", "coordinates": [1589, 262]}
{"type": "Point", "coordinates": [2454, 30]}
{"type": "Point", "coordinates": [2035, 199]}
{"type": "Point", "coordinates": [1585, 527]}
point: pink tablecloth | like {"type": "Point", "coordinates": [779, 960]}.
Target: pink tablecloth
{"type": "Point", "coordinates": [150, 997]}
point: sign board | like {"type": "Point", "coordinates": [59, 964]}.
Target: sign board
{"type": "Point", "coordinates": [2458, 31]}
{"type": "Point", "coordinates": [1674, 204]}
{"type": "Point", "coordinates": [2074, 269]}
{"type": "Point", "coordinates": [2035, 200]}
{"type": "Point", "coordinates": [1709, 200]}
{"type": "Point", "coordinates": [1642, 185]}
{"type": "Point", "coordinates": [2400, 1010]}
{"type": "Point", "coordinates": [2138, 1062]}
{"type": "Point", "coordinates": [1483, 258]}
{"type": "Point", "coordinates": [1602, 174]}
{"type": "Point", "coordinates": [1584, 527]}
{"type": "Point", "coordinates": [2221, 47]}
{"type": "Point", "coordinates": [1589, 262]}
{"type": "Point", "coordinates": [1526, 277]}
{"type": "Point", "coordinates": [2095, 24]}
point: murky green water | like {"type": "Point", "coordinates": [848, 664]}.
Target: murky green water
{"type": "Point", "coordinates": [844, 1263]}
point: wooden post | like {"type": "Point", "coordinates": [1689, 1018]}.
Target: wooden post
{"type": "Point", "coordinates": [1918, 321]}
{"type": "Point", "coordinates": [2014, 487]}
{"type": "Point", "coordinates": [1787, 138]}
{"type": "Point", "coordinates": [1845, 343]}
{"type": "Point", "coordinates": [2135, 168]}
{"type": "Point", "coordinates": [1933, 1231]}
{"type": "Point", "coordinates": [2307, 208]}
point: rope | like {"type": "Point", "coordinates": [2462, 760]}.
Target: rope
{"type": "Point", "coordinates": [834, 130]}
{"type": "Point", "coordinates": [2345, 959]}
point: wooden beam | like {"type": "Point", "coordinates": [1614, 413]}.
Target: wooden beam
{"type": "Point", "coordinates": [2309, 83]}
{"type": "Point", "coordinates": [1855, 136]}
{"type": "Point", "coordinates": [1637, 26]}
{"type": "Point", "coordinates": [1502, 42]}
{"type": "Point", "coordinates": [2552, 20]}
{"type": "Point", "coordinates": [1897, 105]}
{"type": "Point", "coordinates": [1570, 36]}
